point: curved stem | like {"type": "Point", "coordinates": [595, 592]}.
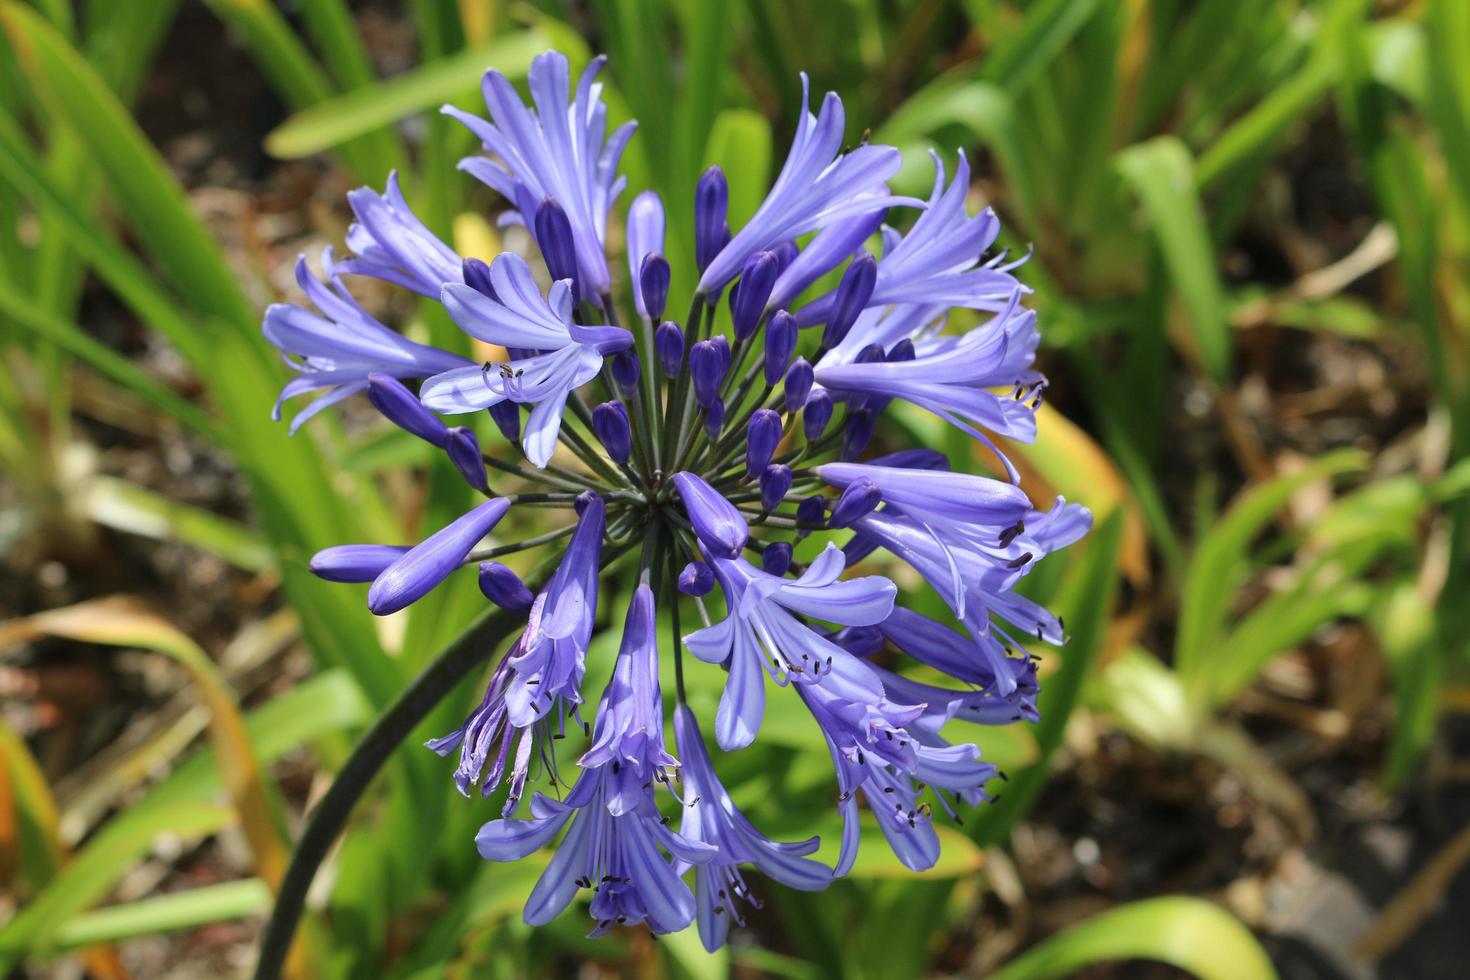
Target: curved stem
{"type": "Point", "coordinates": [446, 670]}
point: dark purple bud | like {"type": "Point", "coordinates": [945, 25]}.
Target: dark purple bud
{"type": "Point", "coordinates": [816, 413]}
{"type": "Point", "coordinates": [554, 236]}
{"type": "Point", "coordinates": [584, 500]}
{"type": "Point", "coordinates": [775, 482]}
{"type": "Point", "coordinates": [714, 418]}
{"type": "Point", "coordinates": [798, 384]}
{"type": "Point", "coordinates": [785, 254]}
{"type": "Point", "coordinates": [762, 436]}
{"type": "Point", "coordinates": [871, 354]}
{"type": "Point", "coordinates": [507, 417]}
{"type": "Point", "coordinates": [355, 562]}
{"type": "Point", "coordinates": [776, 559]}
{"type": "Point", "coordinates": [749, 302]}
{"type": "Point", "coordinates": [860, 641]}
{"type": "Point", "coordinates": [857, 433]}
{"type": "Point", "coordinates": [504, 587]}
{"type": "Point", "coordinates": [463, 450]}
{"type": "Point", "coordinates": [707, 368]}
{"type": "Point", "coordinates": [812, 510]}
{"type": "Point", "coordinates": [429, 562]}
{"type": "Point", "coordinates": [477, 276]}
{"type": "Point", "coordinates": [780, 344]}
{"type": "Point", "coordinates": [697, 579]}
{"type": "Point", "coordinates": [914, 459]}
{"type": "Point", "coordinates": [653, 284]}
{"type": "Point", "coordinates": [901, 351]}
{"type": "Point", "coordinates": [851, 297]}
{"type": "Point", "coordinates": [717, 523]}
{"type": "Point", "coordinates": [401, 407]}
{"type": "Point", "coordinates": [625, 371]}
{"type": "Point", "coordinates": [610, 422]}
{"type": "Point", "coordinates": [711, 200]}
{"type": "Point", "coordinates": [668, 344]}
{"type": "Point", "coordinates": [858, 499]}
{"type": "Point", "coordinates": [721, 345]}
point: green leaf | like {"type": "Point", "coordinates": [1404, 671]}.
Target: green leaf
{"type": "Point", "coordinates": [1404, 624]}
{"type": "Point", "coordinates": [1086, 601]}
{"type": "Point", "coordinates": [97, 868]}
{"type": "Point", "coordinates": [740, 143]}
{"type": "Point", "coordinates": [21, 312]}
{"type": "Point", "coordinates": [1220, 562]}
{"type": "Point", "coordinates": [1189, 933]}
{"type": "Point", "coordinates": [1019, 58]}
{"type": "Point", "coordinates": [137, 510]}
{"type": "Point", "coordinates": [139, 177]}
{"type": "Point", "coordinates": [1161, 173]}
{"type": "Point", "coordinates": [165, 913]}
{"type": "Point", "coordinates": [336, 120]}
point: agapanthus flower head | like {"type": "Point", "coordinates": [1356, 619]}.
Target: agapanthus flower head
{"type": "Point", "coordinates": [729, 476]}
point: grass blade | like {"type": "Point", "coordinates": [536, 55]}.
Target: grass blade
{"type": "Point", "coordinates": [165, 913]}
{"type": "Point", "coordinates": [1189, 933]}
{"type": "Point", "coordinates": [336, 120]}
{"type": "Point", "coordinates": [1161, 173]}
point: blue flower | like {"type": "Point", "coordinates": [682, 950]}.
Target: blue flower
{"type": "Point", "coordinates": [630, 723]}
{"type": "Point", "coordinates": [339, 347]}
{"type": "Point", "coordinates": [953, 377]}
{"type": "Point", "coordinates": [975, 570]}
{"type": "Point", "coordinates": [392, 244]}
{"type": "Point", "coordinates": [761, 633]}
{"type": "Point", "coordinates": [711, 816]}
{"type": "Point", "coordinates": [549, 666]}
{"type": "Point", "coordinates": [937, 263]}
{"type": "Point", "coordinates": [616, 832]}
{"type": "Point", "coordinates": [569, 355]}
{"type": "Point", "coordinates": [556, 151]}
{"type": "Point", "coordinates": [817, 186]}
{"type": "Point", "coordinates": [708, 440]}
{"type": "Point", "coordinates": [881, 748]}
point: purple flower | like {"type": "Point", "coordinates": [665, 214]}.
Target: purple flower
{"type": "Point", "coordinates": [570, 355]}
{"type": "Point", "coordinates": [881, 747]}
{"type": "Point", "coordinates": [646, 241]}
{"type": "Point", "coordinates": [711, 816]}
{"type": "Point", "coordinates": [817, 186]}
{"type": "Point", "coordinates": [549, 666]}
{"type": "Point", "coordinates": [974, 568]}
{"type": "Point", "coordinates": [392, 244]}
{"type": "Point", "coordinates": [428, 563]}
{"type": "Point", "coordinates": [938, 261]}
{"type": "Point", "coordinates": [355, 562]}
{"type": "Point", "coordinates": [340, 347]}
{"type": "Point", "coordinates": [616, 832]}
{"type": "Point", "coordinates": [553, 152]}
{"type": "Point", "coordinates": [761, 632]}
{"type": "Point", "coordinates": [486, 737]}
{"type": "Point", "coordinates": [617, 856]}
{"type": "Point", "coordinates": [718, 524]}
{"type": "Point", "coordinates": [952, 376]}
{"type": "Point", "coordinates": [969, 660]}
{"type": "Point", "coordinates": [690, 461]}
{"type": "Point", "coordinates": [630, 723]}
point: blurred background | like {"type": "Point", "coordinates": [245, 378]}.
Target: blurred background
{"type": "Point", "coordinates": [1249, 237]}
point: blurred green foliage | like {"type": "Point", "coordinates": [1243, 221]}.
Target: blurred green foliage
{"type": "Point", "coordinates": [1125, 144]}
